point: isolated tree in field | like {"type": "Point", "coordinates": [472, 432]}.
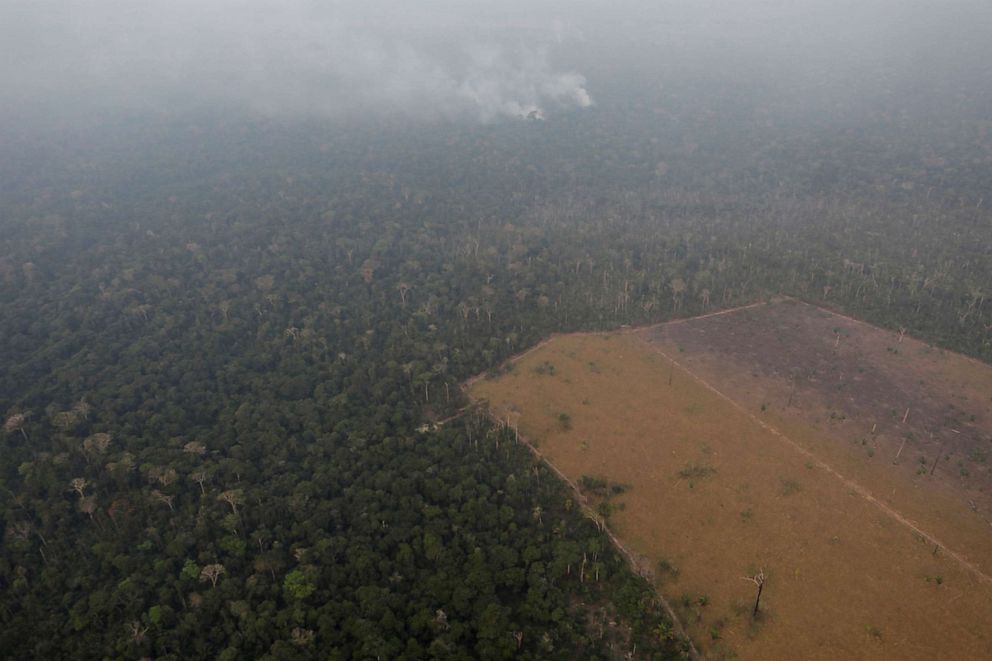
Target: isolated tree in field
{"type": "Point", "coordinates": [759, 580]}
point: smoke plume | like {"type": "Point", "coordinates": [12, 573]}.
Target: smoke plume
{"type": "Point", "coordinates": [289, 57]}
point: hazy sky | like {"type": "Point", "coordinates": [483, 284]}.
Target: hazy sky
{"type": "Point", "coordinates": [467, 58]}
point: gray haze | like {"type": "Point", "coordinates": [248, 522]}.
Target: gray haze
{"type": "Point", "coordinates": [475, 59]}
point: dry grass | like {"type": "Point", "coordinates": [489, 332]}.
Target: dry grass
{"type": "Point", "coordinates": [719, 489]}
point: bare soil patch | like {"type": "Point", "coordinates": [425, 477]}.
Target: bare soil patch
{"type": "Point", "coordinates": [908, 421]}
{"type": "Point", "coordinates": [738, 439]}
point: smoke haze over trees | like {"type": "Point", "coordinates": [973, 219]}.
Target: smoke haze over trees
{"type": "Point", "coordinates": [249, 249]}
{"type": "Point", "coordinates": [476, 59]}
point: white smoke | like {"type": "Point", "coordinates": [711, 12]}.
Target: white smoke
{"type": "Point", "coordinates": [287, 57]}
{"type": "Point", "coordinates": [524, 86]}
{"type": "Point", "coordinates": [483, 82]}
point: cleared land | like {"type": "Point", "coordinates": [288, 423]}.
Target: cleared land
{"type": "Point", "coordinates": [776, 438]}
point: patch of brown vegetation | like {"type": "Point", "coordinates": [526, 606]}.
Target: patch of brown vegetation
{"type": "Point", "coordinates": [720, 489]}
{"type": "Point", "coordinates": [910, 422]}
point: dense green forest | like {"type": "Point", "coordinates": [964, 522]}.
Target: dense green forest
{"type": "Point", "coordinates": [222, 338]}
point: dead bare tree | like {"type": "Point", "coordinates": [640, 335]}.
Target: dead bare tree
{"type": "Point", "coordinates": [195, 448]}
{"type": "Point", "coordinates": [137, 631]}
{"type": "Point", "coordinates": [16, 423]}
{"type": "Point", "coordinates": [403, 289]}
{"type": "Point", "coordinates": [164, 498]}
{"type": "Point", "coordinates": [199, 477]}
{"type": "Point", "coordinates": [79, 485]}
{"type": "Point", "coordinates": [940, 452]}
{"type": "Point", "coordinates": [678, 288]}
{"type": "Point", "coordinates": [759, 580]}
{"type": "Point", "coordinates": [232, 497]}
{"type": "Point", "coordinates": [211, 573]}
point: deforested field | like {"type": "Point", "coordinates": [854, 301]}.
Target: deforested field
{"type": "Point", "coordinates": [845, 463]}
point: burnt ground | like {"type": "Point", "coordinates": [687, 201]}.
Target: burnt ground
{"type": "Point", "coordinates": [902, 418]}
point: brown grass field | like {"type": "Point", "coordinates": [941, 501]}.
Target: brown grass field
{"type": "Point", "coordinates": [776, 438]}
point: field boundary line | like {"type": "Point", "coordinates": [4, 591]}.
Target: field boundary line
{"type": "Point", "coordinates": [639, 328]}
{"type": "Point", "coordinates": [849, 483]}
{"type": "Point", "coordinates": [590, 513]}
{"type": "Point", "coordinates": [629, 555]}
{"type": "Point", "coordinates": [883, 329]}
{"type": "Point", "coordinates": [622, 330]}
{"type": "Point", "coordinates": [834, 312]}
{"type": "Point", "coordinates": [718, 313]}
{"type": "Point", "coordinates": [624, 551]}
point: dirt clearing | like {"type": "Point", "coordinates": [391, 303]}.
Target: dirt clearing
{"type": "Point", "coordinates": [757, 440]}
